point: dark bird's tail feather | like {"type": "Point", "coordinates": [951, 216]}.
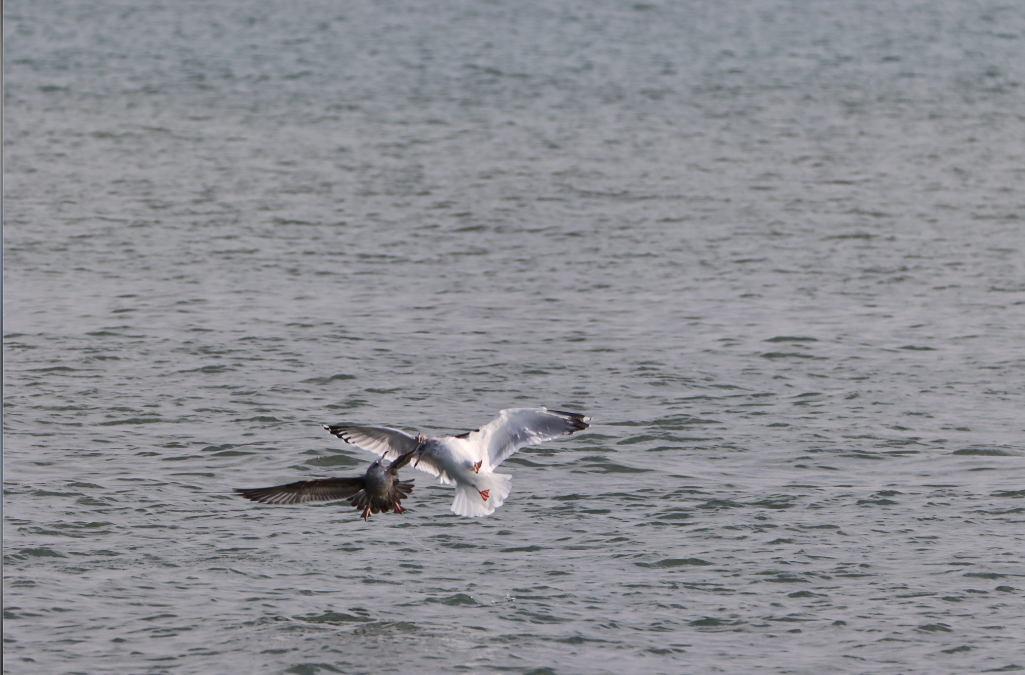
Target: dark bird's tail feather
{"type": "Point", "coordinates": [389, 502]}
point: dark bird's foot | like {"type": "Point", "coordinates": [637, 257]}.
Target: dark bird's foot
{"type": "Point", "coordinates": [399, 508]}
{"type": "Point", "coordinates": [366, 513]}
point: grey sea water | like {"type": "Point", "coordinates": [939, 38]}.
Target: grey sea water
{"type": "Point", "coordinates": [774, 249]}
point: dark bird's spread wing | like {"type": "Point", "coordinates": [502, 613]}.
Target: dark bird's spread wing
{"type": "Point", "coordinates": [389, 443]}
{"type": "Point", "coordinates": [301, 492]}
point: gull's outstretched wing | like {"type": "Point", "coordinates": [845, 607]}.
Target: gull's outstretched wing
{"type": "Point", "coordinates": [389, 443]}
{"type": "Point", "coordinates": [515, 428]}
{"type": "Point", "coordinates": [300, 492]}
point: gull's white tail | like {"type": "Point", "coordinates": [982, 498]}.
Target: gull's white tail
{"type": "Point", "coordinates": [470, 503]}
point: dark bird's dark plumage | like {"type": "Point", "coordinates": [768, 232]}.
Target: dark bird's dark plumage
{"type": "Point", "coordinates": [379, 489]}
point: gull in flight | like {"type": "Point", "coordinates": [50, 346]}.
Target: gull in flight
{"type": "Point", "coordinates": [469, 459]}
{"type": "Point", "coordinates": [379, 489]}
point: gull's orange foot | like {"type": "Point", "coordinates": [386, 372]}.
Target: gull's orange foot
{"type": "Point", "coordinates": [484, 494]}
{"type": "Point", "coordinates": [476, 467]}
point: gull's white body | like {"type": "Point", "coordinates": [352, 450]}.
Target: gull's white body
{"type": "Point", "coordinates": [452, 459]}
{"type": "Point", "coordinates": [469, 460]}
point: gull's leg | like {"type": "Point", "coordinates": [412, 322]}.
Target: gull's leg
{"type": "Point", "coordinates": [483, 493]}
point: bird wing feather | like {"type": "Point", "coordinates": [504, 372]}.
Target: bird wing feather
{"type": "Point", "coordinates": [515, 428]}
{"type": "Point", "coordinates": [389, 443]}
{"type": "Point", "coordinates": [303, 491]}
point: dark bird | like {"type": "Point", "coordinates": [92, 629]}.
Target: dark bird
{"type": "Point", "coordinates": [469, 459]}
{"type": "Point", "coordinates": [379, 489]}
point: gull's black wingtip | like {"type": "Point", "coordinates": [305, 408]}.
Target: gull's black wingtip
{"type": "Point", "coordinates": [580, 422]}
{"type": "Point", "coordinates": [336, 430]}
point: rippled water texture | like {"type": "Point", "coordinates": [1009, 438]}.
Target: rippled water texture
{"type": "Point", "coordinates": [773, 248]}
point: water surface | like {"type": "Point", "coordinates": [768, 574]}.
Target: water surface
{"type": "Point", "coordinates": [774, 249]}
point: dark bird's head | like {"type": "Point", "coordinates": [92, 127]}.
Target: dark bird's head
{"type": "Point", "coordinates": [378, 466]}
